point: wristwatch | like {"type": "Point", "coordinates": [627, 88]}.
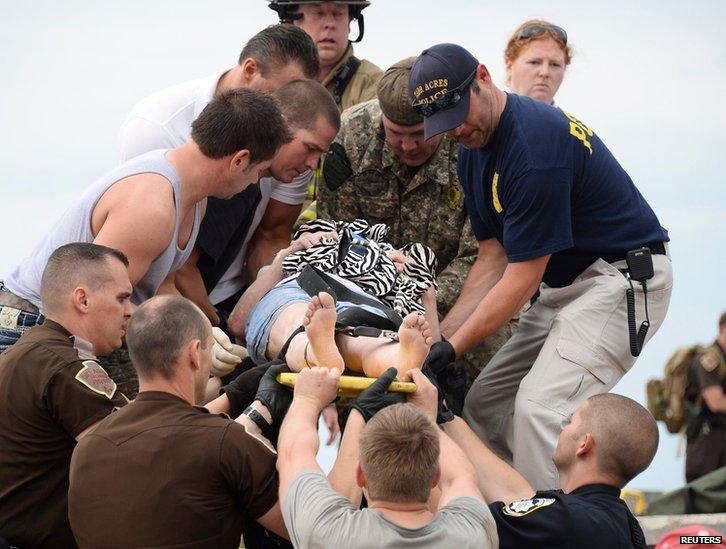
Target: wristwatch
{"type": "Point", "coordinates": [259, 420]}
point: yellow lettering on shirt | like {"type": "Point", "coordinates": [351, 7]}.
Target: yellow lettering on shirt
{"type": "Point", "coordinates": [495, 194]}
{"type": "Point", "coordinates": [580, 131]}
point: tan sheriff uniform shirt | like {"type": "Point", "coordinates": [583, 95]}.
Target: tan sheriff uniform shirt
{"type": "Point", "coordinates": [163, 473]}
{"type": "Point", "coordinates": [51, 390]}
{"type": "Point", "coordinates": [361, 87]}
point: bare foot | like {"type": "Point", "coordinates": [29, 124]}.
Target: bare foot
{"type": "Point", "coordinates": [319, 322]}
{"type": "Point", "coordinates": [414, 338]}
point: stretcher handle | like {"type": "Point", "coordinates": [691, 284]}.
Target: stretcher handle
{"type": "Point", "coordinates": [353, 384]}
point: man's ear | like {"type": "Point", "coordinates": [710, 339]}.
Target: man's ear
{"type": "Point", "coordinates": [240, 161]}
{"type": "Point", "coordinates": [360, 478]}
{"type": "Point", "coordinates": [194, 350]}
{"type": "Point", "coordinates": [585, 445]}
{"type": "Point", "coordinates": [249, 69]}
{"type": "Point", "coordinates": [437, 477]}
{"type": "Point", "coordinates": [482, 73]}
{"type": "Point", "coordinates": [79, 298]}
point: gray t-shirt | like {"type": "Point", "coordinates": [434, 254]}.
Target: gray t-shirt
{"type": "Point", "coordinates": [318, 517]}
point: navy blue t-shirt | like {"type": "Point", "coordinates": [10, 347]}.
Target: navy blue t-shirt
{"type": "Point", "coordinates": [591, 516]}
{"type": "Point", "coordinates": [546, 184]}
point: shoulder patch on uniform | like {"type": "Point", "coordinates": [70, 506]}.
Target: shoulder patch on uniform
{"type": "Point", "coordinates": [526, 506]}
{"type": "Point", "coordinates": [709, 361]}
{"type": "Point", "coordinates": [259, 438]}
{"type": "Point", "coordinates": [93, 376]}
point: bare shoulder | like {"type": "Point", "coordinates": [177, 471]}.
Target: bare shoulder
{"type": "Point", "coordinates": [147, 196]}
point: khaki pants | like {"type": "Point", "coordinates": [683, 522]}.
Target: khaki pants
{"type": "Point", "coordinates": [571, 344]}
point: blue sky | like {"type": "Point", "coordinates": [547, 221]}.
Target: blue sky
{"type": "Point", "coordinates": [648, 77]}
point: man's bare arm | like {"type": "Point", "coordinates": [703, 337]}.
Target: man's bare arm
{"type": "Point", "coordinates": [237, 320]}
{"type": "Point", "coordinates": [517, 286]}
{"type": "Point", "coordinates": [272, 235]}
{"type": "Point", "coordinates": [188, 280]}
{"type": "Point", "coordinates": [342, 475]}
{"type": "Point", "coordinates": [497, 480]}
{"type": "Point", "coordinates": [487, 270]}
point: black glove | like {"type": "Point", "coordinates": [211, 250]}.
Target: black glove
{"type": "Point", "coordinates": [276, 397]}
{"type": "Point", "coordinates": [440, 355]}
{"type": "Point", "coordinates": [241, 391]}
{"type": "Point", "coordinates": [443, 414]}
{"type": "Point", "coordinates": [376, 397]}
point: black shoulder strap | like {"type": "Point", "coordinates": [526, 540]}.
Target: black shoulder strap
{"type": "Point", "coordinates": [343, 78]}
{"type": "Point", "coordinates": [313, 281]}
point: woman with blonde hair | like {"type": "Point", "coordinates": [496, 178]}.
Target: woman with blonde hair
{"type": "Point", "coordinates": [536, 57]}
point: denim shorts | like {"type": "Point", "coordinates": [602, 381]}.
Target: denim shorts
{"type": "Point", "coordinates": [265, 313]}
{"type": "Point", "coordinates": [24, 322]}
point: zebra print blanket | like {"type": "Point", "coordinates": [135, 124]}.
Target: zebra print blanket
{"type": "Point", "coordinates": [367, 264]}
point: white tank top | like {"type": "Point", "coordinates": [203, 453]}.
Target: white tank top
{"type": "Point", "coordinates": [75, 226]}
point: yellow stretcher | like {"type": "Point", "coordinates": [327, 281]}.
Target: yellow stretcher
{"type": "Point", "coordinates": [352, 385]}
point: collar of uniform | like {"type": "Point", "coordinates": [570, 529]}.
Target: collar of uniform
{"type": "Point", "coordinates": [207, 91]}
{"type": "Point", "coordinates": [53, 325]}
{"type": "Point", "coordinates": [164, 396]}
{"type": "Point", "coordinates": [425, 172]}
{"type": "Point", "coordinates": [338, 66]}
{"type": "Point", "coordinates": [84, 348]}
{"type": "Point", "coordinates": [588, 489]}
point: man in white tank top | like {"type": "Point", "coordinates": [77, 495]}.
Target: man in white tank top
{"type": "Point", "coordinates": [150, 208]}
{"type": "Point", "coordinates": [272, 58]}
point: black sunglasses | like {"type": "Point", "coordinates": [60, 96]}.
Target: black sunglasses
{"type": "Point", "coordinates": [446, 101]}
{"type": "Point", "coordinates": [536, 29]}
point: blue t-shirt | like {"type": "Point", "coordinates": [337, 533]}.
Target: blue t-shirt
{"type": "Point", "coordinates": [546, 184]}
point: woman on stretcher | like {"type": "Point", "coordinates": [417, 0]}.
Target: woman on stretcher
{"type": "Point", "coordinates": [275, 306]}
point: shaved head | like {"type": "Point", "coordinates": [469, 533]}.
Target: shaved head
{"type": "Point", "coordinates": [625, 434]}
{"type": "Point", "coordinates": [73, 265]}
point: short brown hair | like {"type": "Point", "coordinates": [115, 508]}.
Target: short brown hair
{"type": "Point", "coordinates": [625, 433]}
{"type": "Point", "coordinates": [302, 102]}
{"type": "Point", "coordinates": [516, 43]}
{"type": "Point", "coordinates": [241, 119]}
{"type": "Point", "coordinates": [73, 264]}
{"type": "Point", "coordinates": [280, 45]}
{"type": "Point", "coordinates": [722, 320]}
{"type": "Point", "coordinates": [399, 454]}
{"type": "Point", "coordinates": [159, 330]}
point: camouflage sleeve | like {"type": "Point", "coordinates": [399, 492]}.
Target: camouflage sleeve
{"type": "Point", "coordinates": [452, 278]}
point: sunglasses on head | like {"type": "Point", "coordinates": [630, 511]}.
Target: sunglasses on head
{"type": "Point", "coordinates": [446, 101]}
{"type": "Point", "coordinates": [535, 29]}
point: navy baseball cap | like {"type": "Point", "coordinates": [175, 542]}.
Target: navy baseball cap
{"type": "Point", "coordinates": [439, 84]}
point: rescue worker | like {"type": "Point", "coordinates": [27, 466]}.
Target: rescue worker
{"type": "Point", "coordinates": [706, 392]}
{"type": "Point", "coordinates": [349, 80]}
{"type": "Point", "coordinates": [381, 169]}
{"type": "Point", "coordinates": [163, 472]}
{"type": "Point", "coordinates": [53, 391]}
{"type": "Point", "coordinates": [553, 212]}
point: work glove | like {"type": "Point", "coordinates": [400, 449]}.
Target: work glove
{"type": "Point", "coordinates": [275, 396]}
{"type": "Point", "coordinates": [241, 391]}
{"type": "Point", "coordinates": [375, 398]}
{"type": "Point", "coordinates": [225, 354]}
{"type": "Point", "coordinates": [441, 354]}
{"type": "Point", "coordinates": [443, 413]}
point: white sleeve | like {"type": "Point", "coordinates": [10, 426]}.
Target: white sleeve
{"type": "Point", "coordinates": [139, 136]}
{"type": "Point", "coordinates": [293, 192]}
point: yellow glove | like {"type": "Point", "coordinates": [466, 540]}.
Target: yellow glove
{"type": "Point", "coordinates": [225, 354]}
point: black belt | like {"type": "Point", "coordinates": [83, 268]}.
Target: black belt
{"type": "Point", "coordinates": [656, 248]}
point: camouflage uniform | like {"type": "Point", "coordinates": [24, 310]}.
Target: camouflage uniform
{"type": "Point", "coordinates": [362, 87]}
{"type": "Point", "coordinates": [426, 207]}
